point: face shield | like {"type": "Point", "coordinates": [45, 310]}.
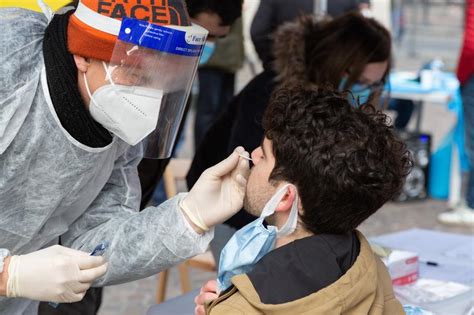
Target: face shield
{"type": "Point", "coordinates": [149, 79]}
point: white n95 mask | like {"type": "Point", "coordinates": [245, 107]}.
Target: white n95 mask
{"type": "Point", "coordinates": [129, 112]}
{"type": "Point", "coordinates": [249, 244]}
{"type": "Point", "coordinates": [160, 57]}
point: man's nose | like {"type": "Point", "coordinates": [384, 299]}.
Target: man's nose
{"type": "Point", "coordinates": [255, 156]}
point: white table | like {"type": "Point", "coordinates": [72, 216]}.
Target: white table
{"type": "Point", "coordinates": [403, 87]}
{"type": "Point", "coordinates": [454, 254]}
{"type": "Point", "coordinates": [419, 99]}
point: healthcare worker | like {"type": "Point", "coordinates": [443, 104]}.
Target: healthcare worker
{"type": "Point", "coordinates": [83, 96]}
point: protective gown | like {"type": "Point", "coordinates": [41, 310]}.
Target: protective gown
{"type": "Point", "coordinates": [55, 189]}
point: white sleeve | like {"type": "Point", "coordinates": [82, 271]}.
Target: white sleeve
{"type": "Point", "coordinates": [141, 243]}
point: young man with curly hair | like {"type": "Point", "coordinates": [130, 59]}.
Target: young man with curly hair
{"type": "Point", "coordinates": [336, 165]}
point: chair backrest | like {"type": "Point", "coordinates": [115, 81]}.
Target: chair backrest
{"type": "Point", "coordinates": [175, 171]}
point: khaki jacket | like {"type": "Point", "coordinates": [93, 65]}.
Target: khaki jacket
{"type": "Point", "coordinates": [366, 288]}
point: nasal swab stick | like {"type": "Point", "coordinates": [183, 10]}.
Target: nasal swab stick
{"type": "Point", "coordinates": [245, 157]}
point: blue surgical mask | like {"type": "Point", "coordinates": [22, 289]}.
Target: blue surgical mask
{"type": "Point", "coordinates": [359, 95]}
{"type": "Point", "coordinates": [249, 244]}
{"type": "Point", "coordinates": [207, 52]}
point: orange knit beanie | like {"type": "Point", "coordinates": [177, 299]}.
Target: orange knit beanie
{"type": "Point", "coordinates": [94, 26]}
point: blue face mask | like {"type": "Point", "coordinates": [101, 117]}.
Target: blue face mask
{"type": "Point", "coordinates": [249, 244]}
{"type": "Point", "coordinates": [359, 95]}
{"type": "Point", "coordinates": [207, 52]}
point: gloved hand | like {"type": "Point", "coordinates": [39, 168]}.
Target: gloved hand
{"type": "Point", "coordinates": [219, 192]}
{"type": "Point", "coordinates": [56, 274]}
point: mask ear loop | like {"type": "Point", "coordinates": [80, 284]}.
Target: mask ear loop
{"type": "Point", "coordinates": [290, 224]}
{"type": "Point", "coordinates": [270, 207]}
{"type": "Point", "coordinates": [87, 86]}
{"type": "Point", "coordinates": [89, 91]}
{"type": "Point", "coordinates": [108, 74]}
{"type": "Point", "coordinates": [108, 77]}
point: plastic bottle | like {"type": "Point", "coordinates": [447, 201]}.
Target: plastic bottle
{"type": "Point", "coordinates": [437, 66]}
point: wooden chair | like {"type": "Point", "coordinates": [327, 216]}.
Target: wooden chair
{"type": "Point", "coordinates": [176, 171]}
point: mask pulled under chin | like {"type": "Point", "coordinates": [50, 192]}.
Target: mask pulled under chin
{"type": "Point", "coordinates": [249, 244]}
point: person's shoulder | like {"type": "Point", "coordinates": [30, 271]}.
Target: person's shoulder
{"type": "Point", "coordinates": [21, 22]}
{"type": "Point", "coordinates": [22, 39]}
{"type": "Point", "coordinates": [390, 305]}
{"type": "Point", "coordinates": [260, 87]}
{"type": "Point", "coordinates": [21, 58]}
{"type": "Point", "coordinates": [22, 34]}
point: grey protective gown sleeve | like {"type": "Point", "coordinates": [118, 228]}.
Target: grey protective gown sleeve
{"type": "Point", "coordinates": [141, 243]}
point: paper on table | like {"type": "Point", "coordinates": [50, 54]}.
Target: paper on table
{"type": "Point", "coordinates": [430, 291]}
{"type": "Point", "coordinates": [447, 272]}
{"type": "Point", "coordinates": [462, 252]}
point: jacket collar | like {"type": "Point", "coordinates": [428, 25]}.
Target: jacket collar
{"type": "Point", "coordinates": [358, 284]}
{"type": "Point", "coordinates": [303, 267]}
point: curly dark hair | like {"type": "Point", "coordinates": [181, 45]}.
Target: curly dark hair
{"type": "Point", "coordinates": [228, 10]}
{"type": "Point", "coordinates": [346, 162]}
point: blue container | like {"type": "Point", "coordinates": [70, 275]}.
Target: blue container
{"type": "Point", "coordinates": [440, 169]}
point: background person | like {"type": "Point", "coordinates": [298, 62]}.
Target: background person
{"type": "Point", "coordinates": [463, 213]}
{"type": "Point", "coordinates": [273, 13]}
{"type": "Point", "coordinates": [323, 167]}
{"type": "Point", "coordinates": [216, 79]}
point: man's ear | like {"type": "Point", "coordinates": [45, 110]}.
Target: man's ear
{"type": "Point", "coordinates": [82, 63]}
{"type": "Point", "coordinates": [287, 200]}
